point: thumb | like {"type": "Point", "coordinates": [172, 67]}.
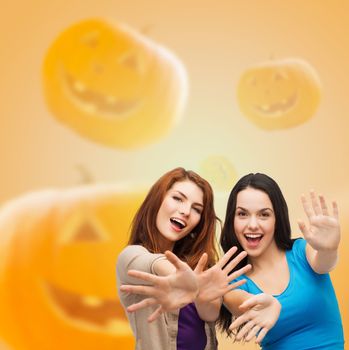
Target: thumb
{"type": "Point", "coordinates": [201, 263]}
{"type": "Point", "coordinates": [303, 228]}
{"type": "Point", "coordinates": [250, 303]}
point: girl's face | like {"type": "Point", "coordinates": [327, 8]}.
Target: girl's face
{"type": "Point", "coordinates": [254, 221]}
{"type": "Point", "coordinates": [179, 213]}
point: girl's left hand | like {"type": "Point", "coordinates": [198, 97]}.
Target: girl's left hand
{"type": "Point", "coordinates": [214, 282]}
{"type": "Point", "coordinates": [323, 231]}
{"type": "Point", "coordinates": [261, 312]}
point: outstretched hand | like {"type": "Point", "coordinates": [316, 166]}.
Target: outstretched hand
{"type": "Point", "coordinates": [169, 292]}
{"type": "Point", "coordinates": [214, 282]}
{"type": "Point", "coordinates": [260, 313]}
{"type": "Point", "coordinates": [323, 230]}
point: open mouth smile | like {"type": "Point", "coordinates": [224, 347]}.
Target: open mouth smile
{"type": "Point", "coordinates": [103, 314]}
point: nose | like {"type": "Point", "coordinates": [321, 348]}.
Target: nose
{"type": "Point", "coordinates": [253, 223]}
{"type": "Point", "coordinates": [184, 209]}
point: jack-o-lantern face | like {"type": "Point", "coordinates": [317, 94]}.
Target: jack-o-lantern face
{"type": "Point", "coordinates": [279, 94]}
{"type": "Point", "coordinates": [113, 85]}
{"type": "Point", "coordinates": [219, 171]}
{"type": "Point", "coordinates": [58, 252]}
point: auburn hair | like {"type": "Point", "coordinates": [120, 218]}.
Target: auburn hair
{"type": "Point", "coordinates": [191, 247]}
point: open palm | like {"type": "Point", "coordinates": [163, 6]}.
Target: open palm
{"type": "Point", "coordinates": [169, 292]}
{"type": "Point", "coordinates": [214, 282]}
{"type": "Point", "coordinates": [323, 230]}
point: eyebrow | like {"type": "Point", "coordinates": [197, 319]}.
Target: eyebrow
{"type": "Point", "coordinates": [242, 208]}
{"type": "Point", "coordinates": [195, 203]}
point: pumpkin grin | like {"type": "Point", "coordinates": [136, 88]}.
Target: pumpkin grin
{"type": "Point", "coordinates": [94, 311]}
{"type": "Point", "coordinates": [278, 108]}
{"type": "Point", "coordinates": [93, 102]}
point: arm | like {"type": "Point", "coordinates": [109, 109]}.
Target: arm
{"type": "Point", "coordinates": [258, 314]}
{"type": "Point", "coordinates": [179, 285]}
{"type": "Point", "coordinates": [322, 233]}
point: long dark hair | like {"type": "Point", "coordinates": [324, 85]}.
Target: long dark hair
{"type": "Point", "coordinates": [282, 233]}
{"type": "Point", "coordinates": [144, 231]}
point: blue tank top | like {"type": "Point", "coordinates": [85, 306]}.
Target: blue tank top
{"type": "Point", "coordinates": [310, 317]}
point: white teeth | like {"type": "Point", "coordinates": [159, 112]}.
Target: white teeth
{"type": "Point", "coordinates": [110, 100]}
{"type": "Point", "coordinates": [179, 221]}
{"type": "Point", "coordinates": [119, 326]}
{"type": "Point", "coordinates": [92, 301]}
{"type": "Point", "coordinates": [79, 86]}
{"type": "Point", "coordinates": [90, 108]}
{"type": "Point", "coordinates": [253, 236]}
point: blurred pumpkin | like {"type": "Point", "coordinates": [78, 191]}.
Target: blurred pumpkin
{"type": "Point", "coordinates": [58, 251]}
{"type": "Point", "coordinates": [279, 94]}
{"type": "Point", "coordinates": [113, 85]}
{"type": "Point", "coordinates": [219, 171]}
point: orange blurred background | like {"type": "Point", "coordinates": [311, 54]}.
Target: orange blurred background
{"type": "Point", "coordinates": [216, 42]}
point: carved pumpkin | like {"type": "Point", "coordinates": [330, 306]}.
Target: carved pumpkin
{"type": "Point", "coordinates": [113, 85]}
{"type": "Point", "coordinates": [58, 251]}
{"type": "Point", "coordinates": [219, 172]}
{"type": "Point", "coordinates": [279, 94]}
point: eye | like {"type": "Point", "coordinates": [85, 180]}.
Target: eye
{"type": "Point", "coordinates": [176, 198]}
{"type": "Point", "coordinates": [91, 39]}
{"type": "Point", "coordinates": [265, 214]}
{"type": "Point", "coordinates": [241, 213]}
{"type": "Point", "coordinates": [131, 61]}
{"type": "Point", "coordinates": [197, 210]}
{"type": "Point", "coordinates": [82, 228]}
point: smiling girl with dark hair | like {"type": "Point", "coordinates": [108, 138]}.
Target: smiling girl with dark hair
{"type": "Point", "coordinates": [289, 273]}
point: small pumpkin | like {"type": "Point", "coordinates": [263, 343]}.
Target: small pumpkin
{"type": "Point", "coordinates": [279, 94]}
{"type": "Point", "coordinates": [113, 85]}
{"type": "Point", "coordinates": [58, 250]}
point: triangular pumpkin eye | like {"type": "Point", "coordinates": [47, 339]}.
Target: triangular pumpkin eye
{"type": "Point", "coordinates": [82, 228]}
{"type": "Point", "coordinates": [132, 61]}
{"type": "Point", "coordinates": [87, 232]}
{"type": "Point", "coordinates": [280, 76]}
{"type": "Point", "coordinates": [91, 39]}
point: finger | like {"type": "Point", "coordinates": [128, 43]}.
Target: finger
{"type": "Point", "coordinates": [202, 263]}
{"type": "Point", "coordinates": [143, 290]}
{"type": "Point", "coordinates": [174, 260]}
{"type": "Point", "coordinates": [262, 333]}
{"type": "Point", "coordinates": [226, 257]}
{"type": "Point", "coordinates": [235, 285]}
{"type": "Point", "coordinates": [245, 330]}
{"type": "Point", "coordinates": [323, 205]}
{"type": "Point", "coordinates": [144, 276]}
{"type": "Point", "coordinates": [335, 209]}
{"type": "Point", "coordinates": [155, 314]}
{"type": "Point", "coordinates": [235, 262]}
{"type": "Point", "coordinates": [252, 332]}
{"type": "Point", "coordinates": [302, 226]}
{"type": "Point", "coordinates": [306, 206]}
{"type": "Point", "coordinates": [141, 305]}
{"type": "Point", "coordinates": [239, 321]}
{"type": "Point", "coordinates": [253, 301]}
{"type": "Point", "coordinates": [239, 272]}
{"type": "Point", "coordinates": [315, 203]}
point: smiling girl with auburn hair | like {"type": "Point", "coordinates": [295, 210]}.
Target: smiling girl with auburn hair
{"type": "Point", "coordinates": [161, 273]}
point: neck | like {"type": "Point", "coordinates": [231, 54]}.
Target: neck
{"type": "Point", "coordinates": [268, 259]}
